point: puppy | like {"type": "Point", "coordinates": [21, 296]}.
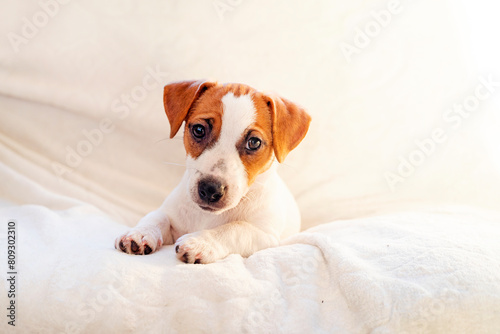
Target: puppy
{"type": "Point", "coordinates": [230, 199]}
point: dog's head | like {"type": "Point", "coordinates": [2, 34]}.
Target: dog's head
{"type": "Point", "coordinates": [232, 134]}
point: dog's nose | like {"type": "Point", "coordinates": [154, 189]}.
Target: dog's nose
{"type": "Point", "coordinates": [211, 191]}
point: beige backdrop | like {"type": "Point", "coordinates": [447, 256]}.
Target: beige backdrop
{"type": "Point", "coordinates": [82, 117]}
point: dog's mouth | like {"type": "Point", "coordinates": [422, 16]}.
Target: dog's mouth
{"type": "Point", "coordinates": [216, 210]}
{"type": "Point", "coordinates": [207, 208]}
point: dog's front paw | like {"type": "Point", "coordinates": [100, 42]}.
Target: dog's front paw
{"type": "Point", "coordinates": [140, 241]}
{"type": "Point", "coordinates": [199, 247]}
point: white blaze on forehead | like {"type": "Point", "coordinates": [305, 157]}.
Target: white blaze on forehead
{"type": "Point", "coordinates": [238, 114]}
{"type": "Point", "coordinates": [223, 159]}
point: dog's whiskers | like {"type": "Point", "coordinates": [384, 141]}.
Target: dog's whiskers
{"type": "Point", "coordinates": [249, 196]}
{"type": "Point", "coordinates": [156, 142]}
{"type": "Point", "coordinates": [245, 198]}
{"type": "Point", "coordinates": [190, 167]}
{"type": "Point", "coordinates": [174, 164]}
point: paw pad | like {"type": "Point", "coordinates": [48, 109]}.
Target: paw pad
{"type": "Point", "coordinates": [139, 242]}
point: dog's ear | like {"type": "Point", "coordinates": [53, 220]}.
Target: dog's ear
{"type": "Point", "coordinates": [179, 97]}
{"type": "Point", "coordinates": [290, 123]}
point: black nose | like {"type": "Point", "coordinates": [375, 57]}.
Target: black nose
{"type": "Point", "coordinates": [211, 191]}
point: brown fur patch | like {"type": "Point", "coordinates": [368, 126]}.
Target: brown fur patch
{"type": "Point", "coordinates": [207, 112]}
{"type": "Point", "coordinates": [290, 125]}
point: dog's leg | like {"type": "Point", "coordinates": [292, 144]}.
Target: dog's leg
{"type": "Point", "coordinates": [151, 232]}
{"type": "Point", "coordinates": [208, 246]}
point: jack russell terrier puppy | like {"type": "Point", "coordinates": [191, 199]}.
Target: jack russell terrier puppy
{"type": "Point", "coordinates": [230, 199]}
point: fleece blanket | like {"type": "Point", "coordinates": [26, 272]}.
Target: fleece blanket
{"type": "Point", "coordinates": [413, 272]}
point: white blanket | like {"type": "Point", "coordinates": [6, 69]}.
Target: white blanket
{"type": "Point", "coordinates": [413, 272]}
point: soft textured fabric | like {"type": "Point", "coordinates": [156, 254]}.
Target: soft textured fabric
{"type": "Point", "coordinates": [411, 272]}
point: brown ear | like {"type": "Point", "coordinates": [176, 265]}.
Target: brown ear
{"type": "Point", "coordinates": [290, 125]}
{"type": "Point", "coordinates": [178, 98]}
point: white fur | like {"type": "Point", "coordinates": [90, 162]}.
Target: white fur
{"type": "Point", "coordinates": [256, 218]}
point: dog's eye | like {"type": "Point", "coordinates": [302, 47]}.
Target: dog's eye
{"type": "Point", "coordinates": [198, 131]}
{"type": "Point", "coordinates": [253, 144]}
